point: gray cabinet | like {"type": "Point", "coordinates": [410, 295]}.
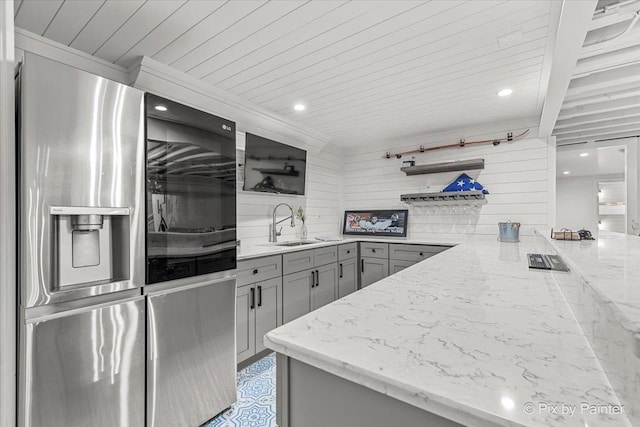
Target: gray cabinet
{"type": "Point", "coordinates": [309, 289]}
{"type": "Point", "coordinates": [323, 256]}
{"type": "Point", "coordinates": [374, 262]}
{"type": "Point", "coordinates": [398, 265]}
{"type": "Point", "coordinates": [245, 322]}
{"type": "Point", "coordinates": [324, 291]}
{"type": "Point", "coordinates": [268, 309]}
{"type": "Point", "coordinates": [403, 255]}
{"type": "Point", "coordinates": [415, 253]}
{"type": "Point", "coordinates": [294, 262]}
{"type": "Point", "coordinates": [347, 251]}
{"type": "Point", "coordinates": [372, 270]}
{"type": "Point", "coordinates": [258, 310]}
{"type": "Point", "coordinates": [347, 277]}
{"type": "Point", "coordinates": [296, 294]}
{"type": "Point", "coordinates": [277, 289]}
{"type": "Point", "coordinates": [256, 270]}
{"type": "Point", "coordinates": [374, 250]}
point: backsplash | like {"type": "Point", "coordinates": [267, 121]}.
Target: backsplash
{"type": "Point", "coordinates": [516, 175]}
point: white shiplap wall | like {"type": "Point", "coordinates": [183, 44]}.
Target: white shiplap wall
{"type": "Point", "coordinates": [321, 201]}
{"type": "Point", "coordinates": [516, 174]}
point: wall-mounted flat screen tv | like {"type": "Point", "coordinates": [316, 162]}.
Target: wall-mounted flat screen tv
{"type": "Point", "coordinates": [376, 222]}
{"type": "Point", "coordinates": [273, 167]}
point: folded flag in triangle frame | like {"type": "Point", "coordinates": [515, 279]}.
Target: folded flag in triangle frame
{"type": "Point", "coordinates": [465, 183]}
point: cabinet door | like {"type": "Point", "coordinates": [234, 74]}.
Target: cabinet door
{"type": "Point", "coordinates": [268, 309]}
{"type": "Point", "coordinates": [347, 277]}
{"type": "Point", "coordinates": [245, 322]}
{"type": "Point", "coordinates": [397, 265]}
{"type": "Point", "coordinates": [372, 270]}
{"type": "Point", "coordinates": [296, 295]}
{"type": "Point", "coordinates": [326, 283]}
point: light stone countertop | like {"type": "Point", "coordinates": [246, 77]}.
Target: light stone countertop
{"type": "Point", "coordinates": [470, 334]}
{"type": "Point", "coordinates": [246, 252]}
{"type": "Point", "coordinates": [611, 266]}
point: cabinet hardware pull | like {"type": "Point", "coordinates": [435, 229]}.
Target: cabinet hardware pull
{"type": "Point", "coordinates": [341, 270]}
{"type": "Point", "coordinates": [373, 250]}
{"type": "Point", "coordinates": [362, 264]}
{"type": "Point", "coordinates": [259, 296]}
{"type": "Point", "coordinates": [317, 278]}
{"type": "Point", "coordinates": [313, 279]}
{"type": "Point", "coordinates": [421, 254]}
{"type": "Point", "coordinates": [253, 298]}
{"type": "Point", "coordinates": [348, 251]}
{"type": "Point", "coordinates": [255, 271]}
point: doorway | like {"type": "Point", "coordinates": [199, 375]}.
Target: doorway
{"type": "Point", "coordinates": [591, 187]}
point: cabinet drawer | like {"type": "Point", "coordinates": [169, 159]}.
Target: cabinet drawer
{"type": "Point", "coordinates": [256, 270]}
{"type": "Point", "coordinates": [347, 251]}
{"type": "Point", "coordinates": [324, 256]}
{"type": "Point", "coordinates": [374, 250]}
{"type": "Point", "coordinates": [297, 261]}
{"type": "Point", "coordinates": [415, 253]}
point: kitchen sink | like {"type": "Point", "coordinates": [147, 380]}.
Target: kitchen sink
{"type": "Point", "coordinates": [298, 243]}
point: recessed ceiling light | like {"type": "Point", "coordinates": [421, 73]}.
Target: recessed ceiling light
{"type": "Point", "coordinates": [584, 154]}
{"type": "Point", "coordinates": [505, 92]}
{"type": "Point", "coordinates": [160, 108]}
{"type": "Point", "coordinates": [566, 173]}
{"type": "Point", "coordinates": [299, 107]}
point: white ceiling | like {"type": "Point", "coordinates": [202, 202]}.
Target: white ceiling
{"type": "Point", "coordinates": [604, 160]}
{"type": "Point", "coordinates": [603, 99]}
{"type": "Point", "coordinates": [367, 70]}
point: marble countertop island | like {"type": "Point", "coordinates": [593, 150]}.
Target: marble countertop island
{"type": "Point", "coordinates": [611, 266]}
{"type": "Point", "coordinates": [470, 334]}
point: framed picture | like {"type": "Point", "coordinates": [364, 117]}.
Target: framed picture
{"type": "Point", "coordinates": [392, 223]}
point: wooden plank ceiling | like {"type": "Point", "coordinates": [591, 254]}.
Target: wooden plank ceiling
{"type": "Point", "coordinates": [366, 70]}
{"type": "Point", "coordinates": [603, 99]}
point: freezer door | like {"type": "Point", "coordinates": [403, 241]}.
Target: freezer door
{"type": "Point", "coordinates": [85, 367]}
{"type": "Point", "coordinates": [191, 356]}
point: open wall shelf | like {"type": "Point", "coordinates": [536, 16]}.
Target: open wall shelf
{"type": "Point", "coordinates": [457, 165]}
{"type": "Point", "coordinates": [462, 197]}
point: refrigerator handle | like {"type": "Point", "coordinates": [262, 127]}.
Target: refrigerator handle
{"type": "Point", "coordinates": [259, 296]}
{"type": "Point", "coordinates": [253, 298]}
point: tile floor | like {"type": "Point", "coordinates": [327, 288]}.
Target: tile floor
{"type": "Point", "coordinates": [256, 405]}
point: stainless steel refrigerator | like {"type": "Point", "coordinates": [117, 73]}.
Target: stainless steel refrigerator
{"type": "Point", "coordinates": [96, 347]}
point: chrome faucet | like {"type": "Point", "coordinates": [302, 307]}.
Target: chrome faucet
{"type": "Point", "coordinates": [273, 231]}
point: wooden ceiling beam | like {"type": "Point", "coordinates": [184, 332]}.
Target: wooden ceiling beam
{"type": "Point", "coordinates": [575, 20]}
